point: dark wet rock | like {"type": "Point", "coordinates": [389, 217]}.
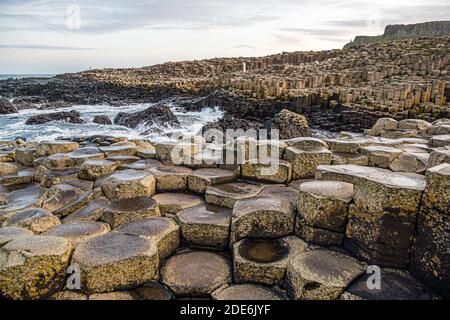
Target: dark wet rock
{"type": "Point", "coordinates": [153, 116]}
{"type": "Point", "coordinates": [231, 122]}
{"type": "Point", "coordinates": [321, 274]}
{"type": "Point", "coordinates": [55, 105]}
{"type": "Point", "coordinates": [102, 120]}
{"type": "Point", "coordinates": [7, 107]}
{"type": "Point", "coordinates": [67, 116]}
{"type": "Point", "coordinates": [394, 285]}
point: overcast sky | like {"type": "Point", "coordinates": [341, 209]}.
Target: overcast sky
{"type": "Point", "coordinates": [46, 36]}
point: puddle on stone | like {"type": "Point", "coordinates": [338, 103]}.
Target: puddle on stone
{"type": "Point", "coordinates": [263, 251]}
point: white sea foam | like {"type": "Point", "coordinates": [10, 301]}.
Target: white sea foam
{"type": "Point", "coordinates": [13, 125]}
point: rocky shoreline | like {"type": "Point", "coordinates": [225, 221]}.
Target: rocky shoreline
{"type": "Point", "coordinates": [337, 90]}
{"type": "Point", "coordinates": [133, 224]}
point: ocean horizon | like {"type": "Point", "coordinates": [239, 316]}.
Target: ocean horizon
{"type": "Point", "coordinates": [22, 76]}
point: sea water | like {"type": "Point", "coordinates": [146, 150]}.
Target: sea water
{"type": "Point", "coordinates": [13, 125]}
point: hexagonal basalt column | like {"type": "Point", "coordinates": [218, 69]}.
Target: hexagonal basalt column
{"type": "Point", "coordinates": [196, 274]}
{"type": "Point", "coordinates": [93, 169]}
{"type": "Point", "coordinates": [205, 225]}
{"type": "Point", "coordinates": [7, 234]}
{"type": "Point", "coordinates": [33, 267]}
{"type": "Point", "coordinates": [275, 172]}
{"type": "Point", "coordinates": [322, 211]}
{"type": "Point", "coordinates": [200, 179]}
{"type": "Point", "coordinates": [129, 184]}
{"type": "Point", "coordinates": [46, 148]}
{"type": "Point", "coordinates": [246, 292]}
{"type": "Point", "coordinates": [47, 177]}
{"type": "Point", "coordinates": [120, 211]}
{"type": "Point", "coordinates": [92, 212]}
{"type": "Point", "coordinates": [162, 231]}
{"type": "Point", "coordinates": [119, 149]}
{"type": "Point", "coordinates": [264, 261]}
{"type": "Point", "coordinates": [170, 153]}
{"type": "Point", "coordinates": [305, 161]}
{"type": "Point", "coordinates": [380, 156]}
{"type": "Point", "coordinates": [60, 195]}
{"type": "Point", "coordinates": [226, 195]}
{"type": "Point", "coordinates": [172, 203]}
{"type": "Point", "coordinates": [431, 254]}
{"type": "Point", "coordinates": [116, 261]}
{"type": "Point", "coordinates": [79, 156]}
{"type": "Point", "coordinates": [37, 220]}
{"type": "Point", "coordinates": [261, 217]}
{"type": "Point", "coordinates": [320, 274]}
{"type": "Point", "coordinates": [77, 232]}
{"type": "Point", "coordinates": [20, 177]}
{"type": "Point", "coordinates": [171, 178]}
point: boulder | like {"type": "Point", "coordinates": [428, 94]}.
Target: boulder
{"type": "Point", "coordinates": [383, 124]}
{"type": "Point", "coordinates": [289, 124]}
{"type": "Point", "coordinates": [67, 116]}
{"type": "Point", "coordinates": [6, 107]}
{"type": "Point", "coordinates": [154, 116]}
{"type": "Point", "coordinates": [102, 119]}
{"type": "Point", "coordinates": [415, 124]}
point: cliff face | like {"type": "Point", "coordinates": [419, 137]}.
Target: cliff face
{"type": "Point", "coordinates": [405, 31]}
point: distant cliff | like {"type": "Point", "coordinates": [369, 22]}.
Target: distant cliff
{"type": "Point", "coordinates": [404, 31]}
